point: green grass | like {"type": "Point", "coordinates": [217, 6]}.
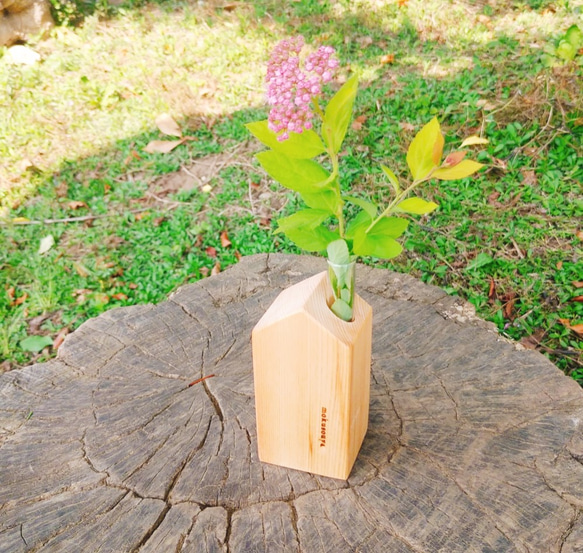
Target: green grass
{"type": "Point", "coordinates": [508, 240]}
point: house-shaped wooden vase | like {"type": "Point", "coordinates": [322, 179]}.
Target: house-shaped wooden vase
{"type": "Point", "coordinates": [312, 380]}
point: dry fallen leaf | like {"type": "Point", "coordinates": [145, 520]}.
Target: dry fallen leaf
{"type": "Point", "coordinates": [528, 177]}
{"type": "Point", "coordinates": [76, 204]}
{"type": "Point", "coordinates": [577, 298]}
{"type": "Point", "coordinates": [358, 122]}
{"type": "Point", "coordinates": [225, 242]}
{"type": "Point", "coordinates": [81, 270]}
{"type": "Point", "coordinates": [578, 284]}
{"type": "Point", "coordinates": [211, 251]}
{"type": "Point", "coordinates": [407, 127]}
{"type": "Point", "coordinates": [132, 285]}
{"type": "Point", "coordinates": [162, 146]}
{"type": "Point", "coordinates": [492, 290]}
{"type": "Point", "coordinates": [119, 296]}
{"type": "Point", "coordinates": [578, 328]}
{"type": "Point", "coordinates": [132, 155]}
{"type": "Point", "coordinates": [364, 41]}
{"type": "Point", "coordinates": [387, 59]}
{"type": "Point", "coordinates": [529, 342]}
{"type": "Point", "coordinates": [168, 126]}
{"type": "Point", "coordinates": [579, 234]}
{"type": "Point", "coordinates": [473, 140]}
{"type": "Point", "coordinates": [20, 300]}
{"type": "Point", "coordinates": [62, 189]}
{"type": "Point", "coordinates": [80, 292]}
{"type": "Point", "coordinates": [499, 164]}
{"type": "Point", "coordinates": [493, 198]}
{"type": "Point", "coordinates": [238, 255]}
{"type": "Point", "coordinates": [485, 105]}
{"type": "Point", "coordinates": [60, 338]}
{"type": "Point", "coordinates": [46, 244]}
{"type": "Point", "coordinates": [216, 269]}
{"type": "Point", "coordinates": [508, 300]}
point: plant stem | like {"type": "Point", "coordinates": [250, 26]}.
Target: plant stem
{"type": "Point", "coordinates": [400, 197]}
{"type": "Point", "coordinates": [335, 167]}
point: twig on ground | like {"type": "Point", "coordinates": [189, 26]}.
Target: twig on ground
{"type": "Point", "coordinates": [81, 218]}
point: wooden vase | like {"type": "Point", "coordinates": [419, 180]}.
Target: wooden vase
{"type": "Point", "coordinates": [312, 380]}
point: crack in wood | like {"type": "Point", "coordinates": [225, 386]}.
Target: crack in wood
{"type": "Point", "coordinates": [152, 529]}
{"type": "Point", "coordinates": [87, 459]}
{"type": "Point", "coordinates": [22, 535]}
{"type": "Point", "coordinates": [569, 530]}
{"type": "Point", "coordinates": [294, 522]}
{"type": "Point", "coordinates": [228, 531]}
{"type": "Point", "coordinates": [448, 394]}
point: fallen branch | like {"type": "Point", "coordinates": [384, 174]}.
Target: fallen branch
{"type": "Point", "coordinates": [79, 219]}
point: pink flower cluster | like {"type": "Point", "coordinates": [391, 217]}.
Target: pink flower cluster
{"type": "Point", "coordinates": [291, 88]}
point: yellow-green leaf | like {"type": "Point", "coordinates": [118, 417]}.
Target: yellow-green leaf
{"type": "Point", "coordinates": [301, 175]}
{"type": "Point", "coordinates": [302, 146]}
{"type": "Point", "coordinates": [416, 206]}
{"type": "Point", "coordinates": [463, 169]}
{"type": "Point", "coordinates": [338, 114]}
{"type": "Point", "coordinates": [438, 149]}
{"type": "Point", "coordinates": [327, 199]}
{"type": "Point", "coordinates": [473, 141]}
{"type": "Point", "coordinates": [421, 150]}
{"type": "Point", "coordinates": [312, 240]}
{"type": "Point", "coordinates": [305, 219]}
{"type": "Point", "coordinates": [392, 178]}
{"type": "Point", "coordinates": [369, 207]}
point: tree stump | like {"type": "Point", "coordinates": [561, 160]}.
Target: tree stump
{"type": "Point", "coordinates": [141, 435]}
{"type": "Point", "coordinates": [21, 19]}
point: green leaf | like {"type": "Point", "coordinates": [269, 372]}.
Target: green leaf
{"type": "Point", "coordinates": [482, 259]}
{"type": "Point", "coordinates": [338, 114]}
{"type": "Point", "coordinates": [359, 224]}
{"type": "Point", "coordinates": [421, 150]}
{"type": "Point", "coordinates": [380, 240]}
{"type": "Point", "coordinates": [36, 343]}
{"type": "Point", "coordinates": [574, 36]}
{"type": "Point", "coordinates": [392, 178]}
{"type": "Point", "coordinates": [463, 169]}
{"type": "Point", "coordinates": [301, 175]}
{"type": "Point", "coordinates": [566, 51]}
{"type": "Point", "coordinates": [391, 227]}
{"type": "Point", "coordinates": [369, 207]}
{"type": "Point", "coordinates": [338, 252]}
{"type": "Point", "coordinates": [307, 218]}
{"type": "Point", "coordinates": [301, 146]}
{"type": "Point", "coordinates": [342, 310]}
{"type": "Point", "coordinates": [377, 246]}
{"type": "Point", "coordinates": [327, 199]}
{"type": "Point", "coordinates": [312, 240]}
{"type": "Point", "coordinates": [548, 60]}
{"type": "Point", "coordinates": [416, 206]}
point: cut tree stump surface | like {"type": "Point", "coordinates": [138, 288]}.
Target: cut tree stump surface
{"type": "Point", "coordinates": [473, 444]}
